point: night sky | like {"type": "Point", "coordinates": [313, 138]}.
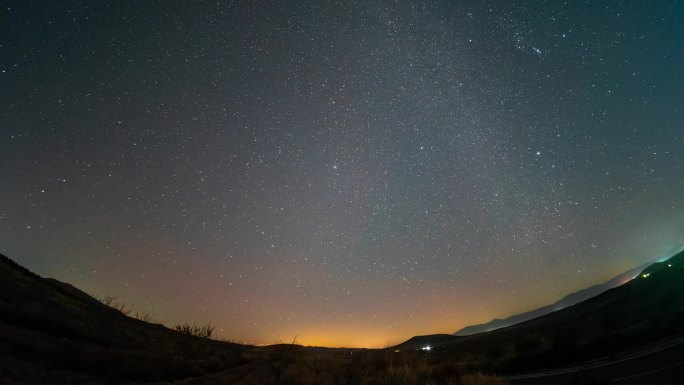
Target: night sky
{"type": "Point", "coordinates": [352, 172]}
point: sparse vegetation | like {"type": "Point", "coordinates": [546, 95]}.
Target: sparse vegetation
{"type": "Point", "coordinates": [143, 316]}
{"type": "Point", "coordinates": [125, 308]}
{"type": "Point", "coordinates": [115, 303]}
{"type": "Point", "coordinates": [479, 379]}
{"type": "Point", "coordinates": [107, 299]}
{"type": "Point", "coordinates": [309, 366]}
{"type": "Point", "coordinates": [52, 333]}
{"type": "Point", "coordinates": [204, 331]}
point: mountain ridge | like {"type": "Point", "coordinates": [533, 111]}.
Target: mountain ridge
{"type": "Point", "coordinates": [51, 332]}
{"type": "Point", "coordinates": [642, 311]}
{"type": "Point", "coordinates": [567, 300]}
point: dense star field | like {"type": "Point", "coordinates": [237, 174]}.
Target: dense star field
{"type": "Point", "coordinates": [351, 173]}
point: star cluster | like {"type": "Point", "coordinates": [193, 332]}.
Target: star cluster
{"type": "Point", "coordinates": [354, 173]}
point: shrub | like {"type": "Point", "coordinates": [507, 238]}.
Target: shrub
{"type": "Point", "coordinates": [195, 330]}
{"type": "Point", "coordinates": [114, 302]}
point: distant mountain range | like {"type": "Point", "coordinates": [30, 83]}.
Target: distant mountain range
{"type": "Point", "coordinates": [566, 301]}
{"type": "Point", "coordinates": [643, 315]}
{"type": "Point", "coordinates": [52, 332]}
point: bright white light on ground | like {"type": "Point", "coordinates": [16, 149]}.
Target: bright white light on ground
{"type": "Point", "coordinates": [427, 348]}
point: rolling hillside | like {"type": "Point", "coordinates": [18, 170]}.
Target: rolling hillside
{"type": "Point", "coordinates": [647, 309]}
{"type": "Point", "coordinates": [51, 332]}
{"type": "Point", "coordinates": [568, 300]}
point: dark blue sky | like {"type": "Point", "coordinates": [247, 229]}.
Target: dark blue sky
{"type": "Point", "coordinates": [351, 172]}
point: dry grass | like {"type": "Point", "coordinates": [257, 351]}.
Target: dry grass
{"type": "Point", "coordinates": [305, 367]}
{"type": "Point", "coordinates": [479, 379]}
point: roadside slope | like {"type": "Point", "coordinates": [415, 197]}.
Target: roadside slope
{"type": "Point", "coordinates": [51, 332]}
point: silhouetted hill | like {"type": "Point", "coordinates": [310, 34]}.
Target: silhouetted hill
{"type": "Point", "coordinates": [51, 332]}
{"type": "Point", "coordinates": [420, 342]}
{"type": "Point", "coordinates": [566, 301]}
{"type": "Point", "coordinates": [643, 310]}
{"type": "Point", "coordinates": [676, 261]}
{"type": "Point", "coordinates": [73, 292]}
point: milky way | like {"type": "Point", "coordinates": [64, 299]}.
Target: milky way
{"type": "Point", "coordinates": [353, 173]}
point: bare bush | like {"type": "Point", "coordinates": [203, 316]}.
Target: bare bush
{"type": "Point", "coordinates": [122, 307]}
{"type": "Point", "coordinates": [107, 299]}
{"type": "Point", "coordinates": [196, 330]}
{"type": "Point", "coordinates": [143, 316]}
{"type": "Point", "coordinates": [114, 302]}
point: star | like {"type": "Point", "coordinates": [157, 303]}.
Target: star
{"type": "Point", "coordinates": [315, 151]}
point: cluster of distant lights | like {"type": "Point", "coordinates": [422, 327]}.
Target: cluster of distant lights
{"type": "Point", "coordinates": [646, 275]}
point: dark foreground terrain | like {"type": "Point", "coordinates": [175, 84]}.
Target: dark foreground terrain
{"type": "Point", "coordinates": [52, 333]}
{"type": "Point", "coordinates": [658, 363]}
